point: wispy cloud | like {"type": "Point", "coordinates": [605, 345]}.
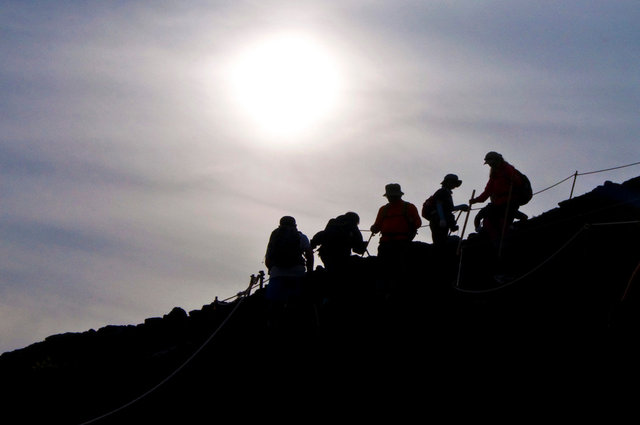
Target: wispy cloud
{"type": "Point", "coordinates": [129, 183]}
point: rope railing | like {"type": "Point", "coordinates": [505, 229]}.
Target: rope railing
{"type": "Point", "coordinates": [576, 174]}
{"type": "Point", "coordinates": [530, 272]}
{"type": "Point", "coordinates": [255, 280]}
{"type": "Point", "coordinates": [240, 296]}
{"type": "Point", "coordinates": [573, 176]}
{"type": "Point", "coordinates": [541, 264]}
{"type": "Point", "coordinates": [553, 185]}
{"type": "Point", "coordinates": [609, 169]}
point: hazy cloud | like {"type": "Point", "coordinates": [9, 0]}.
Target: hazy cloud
{"type": "Point", "coordinates": [130, 182]}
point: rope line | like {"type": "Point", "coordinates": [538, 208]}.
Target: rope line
{"type": "Point", "coordinates": [574, 175]}
{"type": "Point", "coordinates": [614, 223]}
{"type": "Point", "coordinates": [608, 169]}
{"type": "Point", "coordinates": [175, 372]}
{"type": "Point", "coordinates": [553, 185]}
{"type": "Point", "coordinates": [585, 227]}
{"type": "Point", "coordinates": [536, 268]}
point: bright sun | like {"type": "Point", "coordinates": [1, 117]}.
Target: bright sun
{"type": "Point", "coordinates": [286, 84]}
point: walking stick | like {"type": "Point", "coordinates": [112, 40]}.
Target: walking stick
{"type": "Point", "coordinates": [459, 213]}
{"type": "Point", "coordinates": [367, 245]}
{"type": "Point", "coordinates": [473, 195]}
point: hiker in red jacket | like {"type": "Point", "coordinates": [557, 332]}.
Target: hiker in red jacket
{"type": "Point", "coordinates": [504, 180]}
{"type": "Point", "coordinates": [398, 222]}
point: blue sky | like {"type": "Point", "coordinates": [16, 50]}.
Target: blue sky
{"type": "Point", "coordinates": [135, 177]}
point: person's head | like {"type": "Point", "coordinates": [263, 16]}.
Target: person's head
{"type": "Point", "coordinates": [288, 221]}
{"type": "Point", "coordinates": [451, 181]}
{"type": "Point", "coordinates": [493, 159]}
{"type": "Point", "coordinates": [352, 218]}
{"type": "Point", "coordinates": [393, 191]}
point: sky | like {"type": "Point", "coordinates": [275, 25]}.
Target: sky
{"type": "Point", "coordinates": [149, 148]}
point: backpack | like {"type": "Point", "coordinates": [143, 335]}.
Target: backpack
{"type": "Point", "coordinates": [284, 248]}
{"type": "Point", "coordinates": [333, 233]}
{"type": "Point", "coordinates": [429, 207]}
{"type": "Point", "coordinates": [522, 194]}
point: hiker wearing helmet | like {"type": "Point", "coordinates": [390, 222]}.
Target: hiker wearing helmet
{"type": "Point", "coordinates": [398, 221]}
{"type": "Point", "coordinates": [504, 182]}
{"type": "Point", "coordinates": [438, 210]}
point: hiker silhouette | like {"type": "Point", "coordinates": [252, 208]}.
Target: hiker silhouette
{"type": "Point", "coordinates": [438, 210]}
{"type": "Point", "coordinates": [503, 190]}
{"type": "Point", "coordinates": [289, 256]}
{"type": "Point", "coordinates": [397, 222]}
{"type": "Point", "coordinates": [339, 238]}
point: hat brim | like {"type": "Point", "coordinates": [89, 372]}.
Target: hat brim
{"type": "Point", "coordinates": [458, 182]}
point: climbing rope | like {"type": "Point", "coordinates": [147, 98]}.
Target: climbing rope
{"type": "Point", "coordinates": [254, 280]}
{"type": "Point", "coordinates": [539, 266]}
{"type": "Point", "coordinates": [617, 222]}
{"type": "Point", "coordinates": [608, 169]}
{"type": "Point", "coordinates": [576, 174]}
{"type": "Point", "coordinates": [553, 185]}
{"type": "Point", "coordinates": [530, 272]}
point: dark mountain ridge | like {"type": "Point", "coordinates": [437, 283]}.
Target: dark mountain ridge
{"type": "Point", "coordinates": [564, 289]}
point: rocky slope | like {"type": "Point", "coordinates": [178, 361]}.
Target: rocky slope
{"type": "Point", "coordinates": [368, 341]}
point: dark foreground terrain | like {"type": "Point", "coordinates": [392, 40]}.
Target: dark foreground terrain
{"type": "Point", "coordinates": [552, 323]}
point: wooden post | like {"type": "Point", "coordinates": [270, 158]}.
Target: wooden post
{"type": "Point", "coordinates": [575, 176]}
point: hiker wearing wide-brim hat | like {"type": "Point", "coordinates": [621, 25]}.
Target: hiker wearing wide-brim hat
{"type": "Point", "coordinates": [393, 190]}
{"type": "Point", "coordinates": [438, 210]}
{"type": "Point", "coordinates": [451, 179]}
{"type": "Point", "coordinates": [398, 221]}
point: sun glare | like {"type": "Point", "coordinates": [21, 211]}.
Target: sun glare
{"type": "Point", "coordinates": [285, 84]}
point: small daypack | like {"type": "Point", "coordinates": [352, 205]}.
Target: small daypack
{"type": "Point", "coordinates": [429, 207]}
{"type": "Point", "coordinates": [523, 193]}
{"type": "Point", "coordinates": [284, 247]}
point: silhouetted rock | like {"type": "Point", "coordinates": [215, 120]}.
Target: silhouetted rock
{"type": "Point", "coordinates": [564, 291]}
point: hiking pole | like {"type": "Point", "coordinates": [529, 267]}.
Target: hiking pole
{"type": "Point", "coordinates": [459, 214]}
{"type": "Point", "coordinates": [366, 245]}
{"type": "Point", "coordinates": [473, 195]}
